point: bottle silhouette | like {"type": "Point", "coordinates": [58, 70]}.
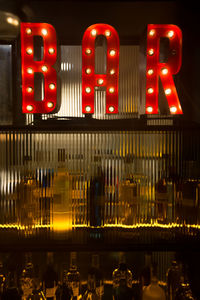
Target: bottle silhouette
{"type": "Point", "coordinates": [73, 277]}
{"type": "Point", "coordinates": [50, 279]}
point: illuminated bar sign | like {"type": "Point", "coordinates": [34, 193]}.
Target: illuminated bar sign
{"type": "Point", "coordinates": [90, 80]}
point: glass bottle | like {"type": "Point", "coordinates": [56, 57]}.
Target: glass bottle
{"type": "Point", "coordinates": [73, 276]}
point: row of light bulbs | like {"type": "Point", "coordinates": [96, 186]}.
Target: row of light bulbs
{"type": "Point", "coordinates": [170, 33]}
{"type": "Point", "coordinates": [88, 108]}
{"type": "Point", "coordinates": [173, 109]}
{"type": "Point", "coordinates": [112, 52]}
{"type": "Point", "coordinates": [30, 107]}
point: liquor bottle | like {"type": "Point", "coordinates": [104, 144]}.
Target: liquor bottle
{"type": "Point", "coordinates": [50, 279]}
{"type": "Point", "coordinates": [173, 279]}
{"type": "Point", "coordinates": [122, 281]}
{"type": "Point", "coordinates": [95, 285]}
{"type": "Point", "coordinates": [153, 290]}
{"type": "Point", "coordinates": [73, 277]}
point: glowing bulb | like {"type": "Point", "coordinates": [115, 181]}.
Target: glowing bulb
{"type": "Point", "coordinates": [52, 86]}
{"type": "Point", "coordinates": [170, 33]}
{"type": "Point", "coordinates": [173, 109]}
{"type": "Point", "coordinates": [29, 51]}
{"type": "Point", "coordinates": [88, 90]}
{"type": "Point", "coordinates": [88, 108]}
{"type": "Point", "coordinates": [29, 107]}
{"type": "Point", "coordinates": [93, 32]}
{"type": "Point", "coordinates": [150, 91]}
{"type": "Point", "coordinates": [149, 109]}
{"type": "Point", "coordinates": [51, 50]}
{"type": "Point", "coordinates": [168, 91]}
{"type": "Point", "coordinates": [150, 72]}
{"type": "Point", "coordinates": [88, 51]}
{"type": "Point", "coordinates": [107, 33]}
{"type": "Point", "coordinates": [30, 71]}
{"type": "Point", "coordinates": [28, 31]}
{"type": "Point", "coordinates": [112, 71]}
{"type": "Point", "coordinates": [111, 108]}
{"type": "Point", "coordinates": [12, 21]}
{"type": "Point", "coordinates": [50, 104]}
{"type": "Point", "coordinates": [44, 68]}
{"type": "Point", "coordinates": [100, 81]}
{"type": "Point", "coordinates": [164, 71]}
{"type": "Point", "coordinates": [44, 31]}
{"type": "Point", "coordinates": [88, 71]}
{"type": "Point", "coordinates": [151, 52]}
{"type": "Point", "coordinates": [111, 90]}
{"type": "Point", "coordinates": [152, 32]}
{"type": "Point", "coordinates": [29, 89]}
{"type": "Point", "coordinates": [112, 52]}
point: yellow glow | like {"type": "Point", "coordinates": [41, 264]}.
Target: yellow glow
{"type": "Point", "coordinates": [150, 72]}
{"type": "Point", "coordinates": [29, 107]}
{"type": "Point", "coordinates": [52, 86]}
{"type": "Point", "coordinates": [88, 90]}
{"type": "Point", "coordinates": [112, 71]}
{"type": "Point", "coordinates": [107, 33]}
{"type": "Point", "coordinates": [173, 109]}
{"type": "Point", "coordinates": [44, 31]}
{"type": "Point", "coordinates": [168, 91]}
{"type": "Point", "coordinates": [111, 108]}
{"type": "Point", "coordinates": [30, 71]}
{"type": "Point", "coordinates": [152, 32]}
{"type": "Point", "coordinates": [164, 71]}
{"type": "Point", "coordinates": [170, 33]}
{"type": "Point", "coordinates": [151, 51]}
{"type": "Point", "coordinates": [111, 90]}
{"type": "Point", "coordinates": [149, 109]}
{"type": "Point", "coordinates": [29, 89]}
{"type": "Point", "coordinates": [88, 108]}
{"type": "Point", "coordinates": [44, 68]}
{"type": "Point", "coordinates": [150, 90]}
{"type": "Point", "coordinates": [88, 71]}
{"type": "Point", "coordinates": [100, 81]}
{"type": "Point", "coordinates": [112, 52]}
{"type": "Point", "coordinates": [50, 104]}
{"type": "Point", "coordinates": [93, 32]}
{"type": "Point", "coordinates": [29, 51]}
{"type": "Point", "coordinates": [88, 51]}
{"type": "Point", "coordinates": [28, 31]}
{"type": "Point", "coordinates": [51, 50]}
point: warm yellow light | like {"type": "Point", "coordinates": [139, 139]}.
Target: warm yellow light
{"type": "Point", "coordinates": [150, 72]}
{"type": "Point", "coordinates": [44, 68]}
{"type": "Point", "coordinates": [111, 108]}
{"type": "Point", "coordinates": [93, 32]}
{"type": "Point", "coordinates": [50, 104]}
{"type": "Point", "coordinates": [112, 52]}
{"type": "Point", "coordinates": [150, 90]}
{"type": "Point", "coordinates": [44, 31]}
{"type": "Point", "coordinates": [100, 81]}
{"type": "Point", "coordinates": [107, 33]}
{"type": "Point", "coordinates": [164, 71]}
{"type": "Point", "coordinates": [88, 51]}
{"type": "Point", "coordinates": [173, 109]}
{"type": "Point", "coordinates": [29, 89]}
{"type": "Point", "coordinates": [151, 51]}
{"type": "Point", "coordinates": [88, 71]}
{"type": "Point", "coordinates": [30, 71]}
{"type": "Point", "coordinates": [170, 34]}
{"type": "Point", "coordinates": [111, 90]}
{"type": "Point", "coordinates": [149, 109]}
{"type": "Point", "coordinates": [88, 108]}
{"type": "Point", "coordinates": [112, 71]}
{"type": "Point", "coordinates": [28, 31]}
{"type": "Point", "coordinates": [12, 21]}
{"type": "Point", "coordinates": [29, 107]}
{"type": "Point", "coordinates": [168, 91]}
{"type": "Point", "coordinates": [29, 51]}
{"type": "Point", "coordinates": [52, 86]}
{"type": "Point", "coordinates": [152, 32]}
{"type": "Point", "coordinates": [88, 90]}
{"type": "Point", "coordinates": [51, 50]}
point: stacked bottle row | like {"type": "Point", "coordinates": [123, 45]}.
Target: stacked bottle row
{"type": "Point", "coordinates": [29, 286]}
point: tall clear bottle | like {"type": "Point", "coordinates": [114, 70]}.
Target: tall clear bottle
{"type": "Point", "coordinates": [95, 284]}
{"type": "Point", "coordinates": [73, 277]}
{"type": "Point", "coordinates": [122, 280]}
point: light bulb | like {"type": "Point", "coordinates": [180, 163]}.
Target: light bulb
{"type": "Point", "coordinates": [30, 71]}
{"type": "Point", "coordinates": [44, 68]}
{"type": "Point", "coordinates": [28, 31]}
{"type": "Point", "coordinates": [29, 51]}
{"type": "Point", "coordinates": [100, 81]}
{"type": "Point", "coordinates": [52, 86]}
{"type": "Point", "coordinates": [44, 31]}
{"type": "Point", "coordinates": [93, 32]}
{"type": "Point", "coordinates": [88, 90]}
{"type": "Point", "coordinates": [112, 71]}
{"type": "Point", "coordinates": [111, 108]}
{"type": "Point", "coordinates": [50, 104]}
{"type": "Point", "coordinates": [150, 72]}
{"type": "Point", "coordinates": [29, 107]}
{"type": "Point", "coordinates": [29, 89]}
{"type": "Point", "coordinates": [88, 71]}
{"type": "Point", "coordinates": [168, 91]}
{"type": "Point", "coordinates": [51, 50]}
{"type": "Point", "coordinates": [107, 33]}
{"type": "Point", "coordinates": [164, 71]}
{"type": "Point", "coordinates": [88, 51]}
{"type": "Point", "coordinates": [151, 51]}
{"type": "Point", "coordinates": [149, 109]}
{"type": "Point", "coordinates": [112, 52]}
{"type": "Point", "coordinates": [173, 109]}
{"type": "Point", "coordinates": [150, 90]}
{"type": "Point", "coordinates": [152, 32]}
{"type": "Point", "coordinates": [111, 90]}
{"type": "Point", "coordinates": [170, 33]}
{"type": "Point", "coordinates": [88, 108]}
